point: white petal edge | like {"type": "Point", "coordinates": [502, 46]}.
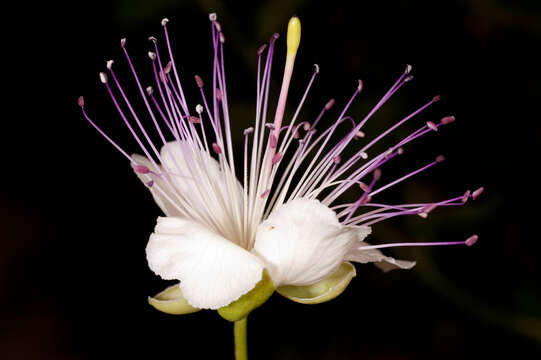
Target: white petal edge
{"type": "Point", "coordinates": [160, 190]}
{"type": "Point", "coordinates": [385, 263]}
{"type": "Point", "coordinates": [213, 271]}
{"type": "Point", "coordinates": [302, 242]}
{"type": "Point", "coordinates": [189, 163]}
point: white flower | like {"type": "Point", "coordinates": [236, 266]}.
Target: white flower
{"type": "Point", "coordinates": [300, 243]}
{"type": "Point", "coordinates": [283, 218]}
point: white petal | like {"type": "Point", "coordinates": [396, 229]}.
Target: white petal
{"type": "Point", "coordinates": [385, 263]}
{"type": "Point", "coordinates": [159, 188]}
{"type": "Point", "coordinates": [302, 242]}
{"type": "Point", "coordinates": [215, 195]}
{"type": "Point", "coordinates": [192, 165]}
{"type": "Point", "coordinates": [212, 271]}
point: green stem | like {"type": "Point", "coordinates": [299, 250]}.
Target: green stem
{"type": "Point", "coordinates": [241, 348]}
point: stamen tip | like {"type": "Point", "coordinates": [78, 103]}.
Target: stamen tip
{"type": "Point", "coordinates": [194, 119]}
{"type": "Point", "coordinates": [153, 39]}
{"type": "Point", "coordinates": [440, 158]}
{"type": "Point", "coordinates": [359, 85]}
{"type": "Point", "coordinates": [431, 125]}
{"type": "Point", "coordinates": [366, 200]}
{"type": "Point", "coordinates": [337, 159]}
{"type": "Point", "coordinates": [363, 186]}
{"type": "Point", "coordinates": [408, 68]}
{"type": "Point", "coordinates": [447, 120]}
{"type": "Point", "coordinates": [167, 68]}
{"type": "Point", "coordinates": [103, 77]}
{"type": "Point", "coordinates": [466, 196]}
{"type": "Point", "coordinates": [363, 155]}
{"type": "Point", "coordinates": [199, 109]}
{"type": "Point", "coordinates": [329, 104]}
{"type": "Point", "coordinates": [141, 169]}
{"type": "Point", "coordinates": [261, 49]}
{"type": "Point", "coordinates": [436, 98]}
{"type": "Point", "coordinates": [152, 55]}
{"type": "Point", "coordinates": [213, 16]}
{"type": "Point", "coordinates": [122, 43]}
{"type": "Point", "coordinates": [216, 149]}
{"type": "Point", "coordinates": [109, 64]}
{"type": "Point", "coordinates": [222, 37]}
{"type": "Point", "coordinates": [248, 131]}
{"type": "Point", "coordinates": [273, 142]}
{"type": "Point", "coordinates": [359, 135]}
{"type": "Point", "coordinates": [377, 174]}
{"type": "Point", "coordinates": [471, 240]}
{"type": "Point", "coordinates": [477, 193]}
{"type": "Point", "coordinates": [81, 101]}
{"type": "Point", "coordinates": [408, 78]}
{"type": "Point", "coordinates": [150, 90]}
{"type": "Point", "coordinates": [316, 68]}
{"type": "Point", "coordinates": [276, 158]}
{"type": "Point", "coordinates": [165, 21]}
{"type": "Point", "coordinates": [199, 81]}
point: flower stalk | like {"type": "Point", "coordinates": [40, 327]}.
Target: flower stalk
{"type": "Point", "coordinates": [241, 345]}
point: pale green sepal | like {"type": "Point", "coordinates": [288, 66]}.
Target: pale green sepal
{"type": "Point", "coordinates": [171, 301]}
{"type": "Point", "coordinates": [240, 308]}
{"type": "Point", "coordinates": [322, 291]}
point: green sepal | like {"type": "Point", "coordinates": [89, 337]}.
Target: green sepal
{"type": "Point", "coordinates": [240, 308]}
{"type": "Point", "coordinates": [322, 291]}
{"type": "Point", "coordinates": [171, 301]}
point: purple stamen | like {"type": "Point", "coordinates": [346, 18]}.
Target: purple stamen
{"type": "Point", "coordinates": [141, 169]}
{"type": "Point", "coordinates": [477, 193]}
{"type": "Point", "coordinates": [431, 125]}
{"type": "Point", "coordinates": [276, 158]}
{"type": "Point", "coordinates": [438, 160]}
{"type": "Point", "coordinates": [194, 119]}
{"type": "Point", "coordinates": [272, 141]}
{"type": "Point", "coordinates": [217, 149]}
{"type": "Point", "coordinates": [315, 161]}
{"type": "Point", "coordinates": [469, 242]}
{"type": "Point", "coordinates": [447, 120]}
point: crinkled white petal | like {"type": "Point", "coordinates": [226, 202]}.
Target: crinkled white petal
{"type": "Point", "coordinates": [303, 242]}
{"type": "Point", "coordinates": [385, 263]}
{"type": "Point", "coordinates": [213, 271]}
{"type": "Point", "coordinates": [160, 190]}
{"type": "Point", "coordinates": [190, 165]}
{"type": "Point", "coordinates": [190, 181]}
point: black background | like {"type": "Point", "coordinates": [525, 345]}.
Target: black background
{"type": "Point", "coordinates": [75, 220]}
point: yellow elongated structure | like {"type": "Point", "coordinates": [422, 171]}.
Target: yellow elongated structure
{"type": "Point", "coordinates": [293, 35]}
{"type": "Point", "coordinates": [293, 42]}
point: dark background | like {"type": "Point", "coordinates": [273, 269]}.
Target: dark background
{"type": "Point", "coordinates": [75, 220]}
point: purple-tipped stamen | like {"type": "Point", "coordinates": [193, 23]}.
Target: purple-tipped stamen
{"type": "Point", "coordinates": [317, 163]}
{"type": "Point", "coordinates": [469, 242]}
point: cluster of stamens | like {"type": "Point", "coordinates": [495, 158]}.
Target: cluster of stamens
{"type": "Point", "coordinates": [316, 165]}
